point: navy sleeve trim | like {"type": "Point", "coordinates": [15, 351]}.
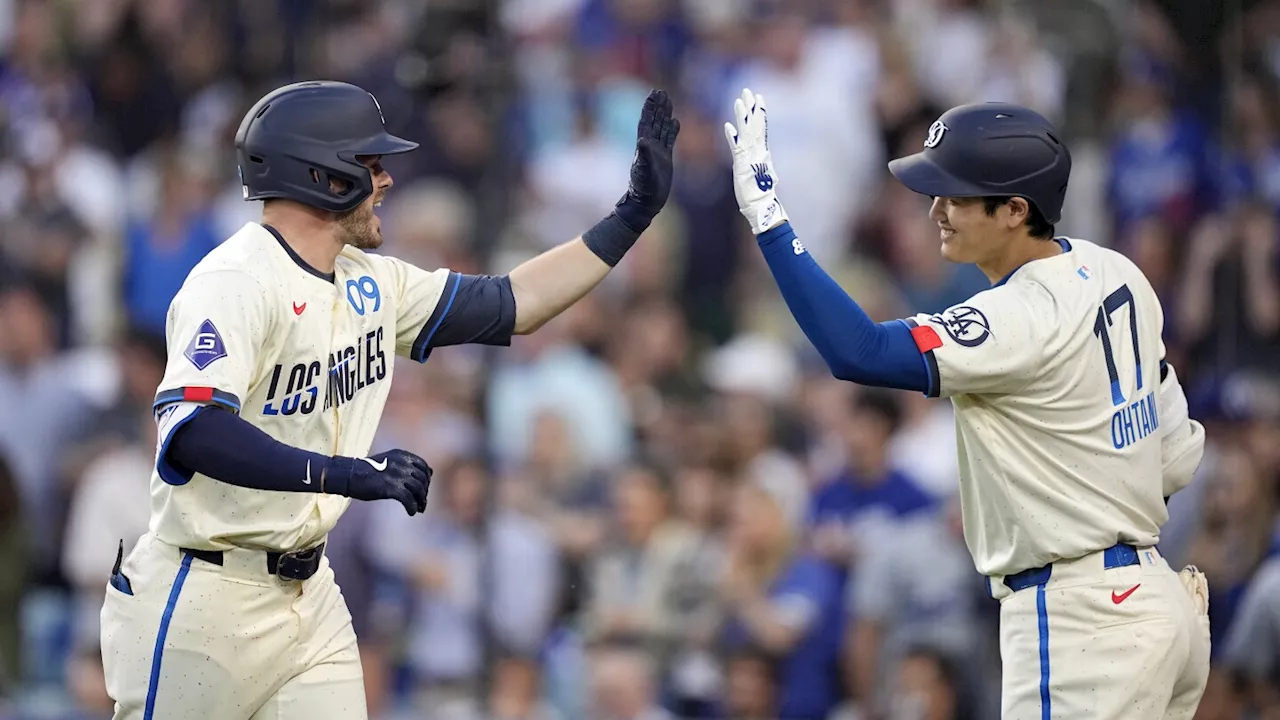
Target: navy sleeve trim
{"type": "Point", "coordinates": [1164, 369]}
{"type": "Point", "coordinates": [196, 394]}
{"type": "Point", "coordinates": [480, 309]}
{"type": "Point", "coordinates": [169, 471]}
{"type": "Point", "coordinates": [422, 344]}
{"type": "Point", "coordinates": [934, 387]}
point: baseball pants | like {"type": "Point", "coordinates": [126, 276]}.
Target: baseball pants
{"type": "Point", "coordinates": [187, 639]}
{"type": "Point", "coordinates": [1108, 643]}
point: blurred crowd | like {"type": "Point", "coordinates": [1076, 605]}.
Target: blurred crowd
{"type": "Point", "coordinates": [660, 505]}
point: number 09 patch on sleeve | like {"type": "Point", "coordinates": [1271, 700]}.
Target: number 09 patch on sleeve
{"type": "Point", "coordinates": [206, 347]}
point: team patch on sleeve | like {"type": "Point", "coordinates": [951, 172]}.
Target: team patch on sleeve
{"type": "Point", "coordinates": [206, 347]}
{"type": "Point", "coordinates": [965, 324]}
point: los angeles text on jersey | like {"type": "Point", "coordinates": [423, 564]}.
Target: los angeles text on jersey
{"type": "Point", "coordinates": [351, 369]}
{"type": "Point", "coordinates": [1135, 422]}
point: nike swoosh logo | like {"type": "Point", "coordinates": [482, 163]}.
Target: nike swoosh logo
{"type": "Point", "coordinates": [307, 480]}
{"type": "Point", "coordinates": [379, 465]}
{"type": "Point", "coordinates": [1117, 599]}
{"type": "Point", "coordinates": [297, 309]}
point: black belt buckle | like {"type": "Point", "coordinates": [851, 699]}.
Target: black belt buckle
{"type": "Point", "coordinates": [300, 564]}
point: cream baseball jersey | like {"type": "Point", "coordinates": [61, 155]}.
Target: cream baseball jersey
{"type": "Point", "coordinates": [305, 356]}
{"type": "Point", "coordinates": [1071, 428]}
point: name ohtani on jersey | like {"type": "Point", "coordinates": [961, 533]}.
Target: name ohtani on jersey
{"type": "Point", "coordinates": [350, 370]}
{"type": "Point", "coordinates": [1135, 422]}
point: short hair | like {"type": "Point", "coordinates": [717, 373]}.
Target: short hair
{"type": "Point", "coordinates": [882, 403]}
{"type": "Point", "coordinates": [146, 341]}
{"type": "Point", "coordinates": [945, 664]}
{"type": "Point", "coordinates": [756, 654]}
{"type": "Point", "coordinates": [1038, 226]}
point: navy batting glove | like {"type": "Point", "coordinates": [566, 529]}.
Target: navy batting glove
{"type": "Point", "coordinates": [394, 475]}
{"type": "Point", "coordinates": [652, 167]}
{"type": "Point", "coordinates": [649, 186]}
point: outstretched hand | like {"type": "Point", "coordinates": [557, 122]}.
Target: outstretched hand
{"type": "Point", "coordinates": [652, 167]}
{"type": "Point", "coordinates": [754, 178]}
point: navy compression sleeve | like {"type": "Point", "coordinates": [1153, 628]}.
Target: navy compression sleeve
{"type": "Point", "coordinates": [225, 447]}
{"type": "Point", "coordinates": [854, 347]}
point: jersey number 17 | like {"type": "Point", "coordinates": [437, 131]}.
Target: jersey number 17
{"type": "Point", "coordinates": [1121, 297]}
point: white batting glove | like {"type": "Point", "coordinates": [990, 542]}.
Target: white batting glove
{"type": "Point", "coordinates": [754, 179]}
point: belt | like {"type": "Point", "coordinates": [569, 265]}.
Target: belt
{"type": "Point", "coordinates": [295, 565]}
{"type": "Point", "coordinates": [1118, 555]}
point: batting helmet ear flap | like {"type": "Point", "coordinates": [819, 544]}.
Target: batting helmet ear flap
{"type": "Point", "coordinates": [339, 184]}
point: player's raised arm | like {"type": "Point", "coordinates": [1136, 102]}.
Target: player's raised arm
{"type": "Point", "coordinates": [990, 343]}
{"type": "Point", "coordinates": [443, 308]}
{"type": "Point", "coordinates": [854, 347]}
{"type": "Point", "coordinates": [548, 284]}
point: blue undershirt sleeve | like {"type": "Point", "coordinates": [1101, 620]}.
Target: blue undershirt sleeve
{"type": "Point", "coordinates": [854, 347]}
{"type": "Point", "coordinates": [225, 447]}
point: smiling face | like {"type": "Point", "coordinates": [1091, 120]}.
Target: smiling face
{"type": "Point", "coordinates": [969, 234]}
{"type": "Point", "coordinates": [360, 227]}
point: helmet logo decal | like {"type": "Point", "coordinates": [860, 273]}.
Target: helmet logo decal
{"type": "Point", "coordinates": [375, 104]}
{"type": "Point", "coordinates": [936, 131]}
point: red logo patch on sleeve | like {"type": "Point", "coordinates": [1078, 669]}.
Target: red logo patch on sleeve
{"type": "Point", "coordinates": [926, 338]}
{"type": "Point", "coordinates": [197, 394]}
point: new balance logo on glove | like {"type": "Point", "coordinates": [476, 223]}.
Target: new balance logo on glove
{"type": "Point", "coordinates": [754, 177]}
{"type": "Point", "coordinates": [764, 180]}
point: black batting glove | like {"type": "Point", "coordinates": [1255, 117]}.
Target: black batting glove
{"type": "Point", "coordinates": [394, 475]}
{"type": "Point", "coordinates": [649, 186]}
{"type": "Point", "coordinates": [651, 169]}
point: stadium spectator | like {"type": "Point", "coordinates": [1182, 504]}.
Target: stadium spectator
{"type": "Point", "coordinates": [783, 600]}
{"type": "Point", "coordinates": [13, 545]}
{"type": "Point", "coordinates": [928, 687]}
{"type": "Point", "coordinates": [915, 588]}
{"type": "Point", "coordinates": [751, 690]}
{"type": "Point", "coordinates": [633, 578]}
{"type": "Point", "coordinates": [854, 510]}
{"type": "Point", "coordinates": [516, 693]}
{"type": "Point", "coordinates": [624, 685]}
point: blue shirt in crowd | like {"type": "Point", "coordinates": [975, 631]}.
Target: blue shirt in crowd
{"type": "Point", "coordinates": [156, 267]}
{"type": "Point", "coordinates": [807, 591]}
{"type": "Point", "coordinates": [848, 499]}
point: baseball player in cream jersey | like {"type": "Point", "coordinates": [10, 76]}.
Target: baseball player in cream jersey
{"type": "Point", "coordinates": [282, 346]}
{"type": "Point", "coordinates": [1072, 429]}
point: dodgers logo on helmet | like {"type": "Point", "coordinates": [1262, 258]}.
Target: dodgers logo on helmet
{"type": "Point", "coordinates": [965, 324]}
{"type": "Point", "coordinates": [936, 131]}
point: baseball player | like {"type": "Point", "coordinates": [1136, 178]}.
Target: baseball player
{"type": "Point", "coordinates": [1072, 428]}
{"type": "Point", "coordinates": [282, 344]}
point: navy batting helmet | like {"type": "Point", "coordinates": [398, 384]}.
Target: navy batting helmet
{"type": "Point", "coordinates": [299, 137]}
{"type": "Point", "coordinates": [991, 150]}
